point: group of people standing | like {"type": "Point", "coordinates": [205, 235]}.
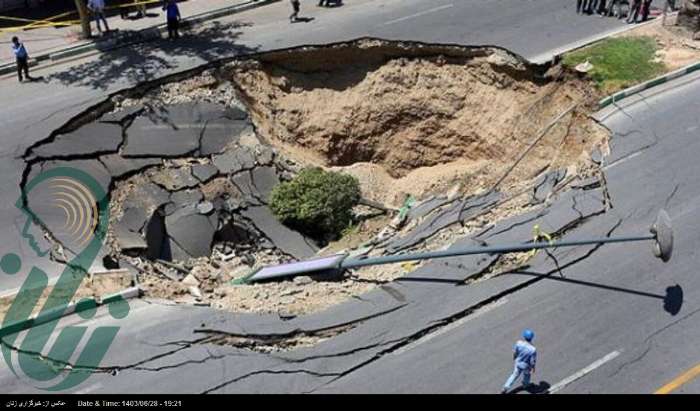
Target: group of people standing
{"type": "Point", "coordinates": [97, 9]}
{"type": "Point", "coordinates": [637, 8]}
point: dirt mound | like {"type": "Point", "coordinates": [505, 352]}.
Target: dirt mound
{"type": "Point", "coordinates": [404, 108]}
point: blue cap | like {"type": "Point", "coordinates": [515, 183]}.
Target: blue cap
{"type": "Point", "coordinates": [528, 335]}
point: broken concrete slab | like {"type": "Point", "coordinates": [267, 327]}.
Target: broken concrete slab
{"type": "Point", "coordinates": [264, 180]}
{"type": "Point", "coordinates": [92, 138]}
{"type": "Point", "coordinates": [191, 231]}
{"type": "Point", "coordinates": [128, 240]}
{"type": "Point", "coordinates": [234, 161]}
{"type": "Point", "coordinates": [134, 219]}
{"type": "Point", "coordinates": [204, 172]}
{"type": "Point", "coordinates": [288, 241]}
{"type": "Point", "coordinates": [545, 185]}
{"type": "Point", "coordinates": [185, 198]}
{"type": "Point", "coordinates": [425, 207]}
{"type": "Point", "coordinates": [174, 179]}
{"type": "Point", "coordinates": [174, 252]}
{"type": "Point", "coordinates": [172, 131]}
{"type": "Point", "coordinates": [220, 133]}
{"type": "Point", "coordinates": [119, 166]}
{"type": "Point", "coordinates": [244, 183]}
{"type": "Point", "coordinates": [452, 269]}
{"type": "Point", "coordinates": [444, 217]}
{"type": "Point", "coordinates": [571, 208]}
{"type": "Point", "coordinates": [264, 155]}
{"type": "Point", "coordinates": [122, 115]}
{"type": "Point", "coordinates": [148, 195]}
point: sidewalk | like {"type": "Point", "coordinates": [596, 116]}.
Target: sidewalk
{"type": "Point", "coordinates": [43, 42]}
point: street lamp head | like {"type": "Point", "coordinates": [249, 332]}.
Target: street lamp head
{"type": "Point", "coordinates": [663, 236]}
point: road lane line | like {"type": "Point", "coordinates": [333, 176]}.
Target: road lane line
{"type": "Point", "coordinates": [679, 381]}
{"type": "Point", "coordinates": [568, 380]}
{"type": "Point", "coordinates": [452, 326]}
{"type": "Point", "coordinates": [422, 13]}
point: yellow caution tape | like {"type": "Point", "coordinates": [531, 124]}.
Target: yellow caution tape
{"type": "Point", "coordinates": [47, 22]}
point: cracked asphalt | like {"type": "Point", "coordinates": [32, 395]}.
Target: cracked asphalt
{"type": "Point", "coordinates": [426, 333]}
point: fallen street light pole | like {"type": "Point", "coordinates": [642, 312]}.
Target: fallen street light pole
{"type": "Point", "coordinates": [661, 235]}
{"type": "Point", "coordinates": [355, 263]}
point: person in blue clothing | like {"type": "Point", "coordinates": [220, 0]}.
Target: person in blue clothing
{"type": "Point", "coordinates": [172, 13]}
{"type": "Point", "coordinates": [22, 58]}
{"type": "Point", "coordinates": [525, 357]}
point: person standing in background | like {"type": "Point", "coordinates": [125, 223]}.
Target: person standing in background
{"type": "Point", "coordinates": [97, 7]}
{"type": "Point", "coordinates": [172, 14]}
{"type": "Point", "coordinates": [22, 58]}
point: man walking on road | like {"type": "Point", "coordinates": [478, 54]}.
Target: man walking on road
{"type": "Point", "coordinates": [97, 7]}
{"type": "Point", "coordinates": [525, 356]}
{"type": "Point", "coordinates": [22, 58]}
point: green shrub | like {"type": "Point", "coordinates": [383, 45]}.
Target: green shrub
{"type": "Point", "coordinates": [316, 202]}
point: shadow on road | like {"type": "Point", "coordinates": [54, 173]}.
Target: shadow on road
{"type": "Point", "coordinates": [541, 388]}
{"type": "Point", "coordinates": [148, 60]}
{"type": "Point", "coordinates": [673, 300]}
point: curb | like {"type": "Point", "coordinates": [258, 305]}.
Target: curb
{"type": "Point", "coordinates": [139, 36]}
{"type": "Point", "coordinates": [612, 99]}
{"type": "Point", "coordinates": [65, 310]}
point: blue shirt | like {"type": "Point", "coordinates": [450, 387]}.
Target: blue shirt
{"type": "Point", "coordinates": [172, 11]}
{"type": "Point", "coordinates": [20, 51]}
{"type": "Point", "coordinates": [525, 355]}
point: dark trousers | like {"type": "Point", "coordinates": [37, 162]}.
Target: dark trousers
{"type": "Point", "coordinates": [22, 65]}
{"type": "Point", "coordinates": [635, 9]}
{"type": "Point", "coordinates": [173, 26]}
{"type": "Point", "coordinates": [295, 8]}
{"type": "Point", "coordinates": [646, 5]}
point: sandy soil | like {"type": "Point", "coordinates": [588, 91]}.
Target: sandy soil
{"type": "Point", "coordinates": [416, 125]}
{"type": "Point", "coordinates": [676, 46]}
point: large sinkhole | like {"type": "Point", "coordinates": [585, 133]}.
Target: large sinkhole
{"type": "Point", "coordinates": [188, 162]}
{"type": "Point", "coordinates": [406, 107]}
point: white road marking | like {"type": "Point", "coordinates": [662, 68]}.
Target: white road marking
{"type": "Point", "coordinates": [568, 380]}
{"type": "Point", "coordinates": [422, 13]}
{"type": "Point", "coordinates": [89, 388]}
{"type": "Point", "coordinates": [452, 326]}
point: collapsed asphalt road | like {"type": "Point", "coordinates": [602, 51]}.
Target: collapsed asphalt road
{"type": "Point", "coordinates": [34, 110]}
{"type": "Point", "coordinates": [155, 352]}
{"type": "Point", "coordinates": [428, 332]}
{"type": "Point", "coordinates": [187, 175]}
